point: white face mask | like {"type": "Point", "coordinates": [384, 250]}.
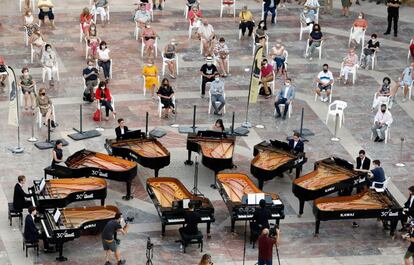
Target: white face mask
{"type": "Point", "coordinates": [287, 84]}
{"type": "Point", "coordinates": [49, 50]}
{"type": "Point", "coordinates": [102, 88]}
{"type": "Point", "coordinates": [360, 17]}
{"type": "Point", "coordinates": [149, 64]}
{"type": "Point", "coordinates": [26, 73]}
{"type": "Point", "coordinates": [103, 47]}
{"type": "Point", "coordinates": [265, 65]}
{"type": "Point", "coordinates": [209, 64]}
{"type": "Point", "coordinates": [216, 78]}
{"type": "Point", "coordinates": [90, 67]}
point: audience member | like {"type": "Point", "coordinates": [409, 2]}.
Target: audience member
{"type": "Point", "coordinates": [142, 16]}
{"type": "Point", "coordinates": [49, 63]}
{"type": "Point", "coordinates": [207, 71]}
{"type": "Point", "coordinates": [205, 260]}
{"type": "Point", "coordinates": [393, 7]}
{"type": "Point", "coordinates": [325, 80]}
{"type": "Point", "coordinates": [270, 6]}
{"type": "Point", "coordinates": [90, 74]}
{"type": "Point", "coordinates": [101, 8]}
{"type": "Point", "coordinates": [166, 94]}
{"type": "Point", "coordinates": [103, 95]}
{"type": "Point", "coordinates": [384, 91]}
{"type": "Point", "coordinates": [221, 54]}
{"type": "Point", "coordinates": [86, 20]}
{"type": "Point", "coordinates": [159, 4]}
{"type": "Point", "coordinates": [38, 42]}
{"type": "Point", "coordinates": [3, 72]}
{"type": "Point", "coordinates": [149, 36]}
{"type": "Point", "coordinates": [360, 25]}
{"type": "Point", "coordinates": [315, 39]}
{"type": "Point", "coordinates": [195, 15]}
{"type": "Point", "coordinates": [382, 121]}
{"type": "Point", "coordinates": [191, 3]}
{"type": "Point", "coordinates": [27, 85]}
{"type": "Point", "coordinates": [368, 51]}
{"type": "Point", "coordinates": [404, 81]}
{"type": "Point", "coordinates": [306, 19]}
{"type": "Point", "coordinates": [349, 63]}
{"type": "Point", "coordinates": [150, 73]}
{"type": "Point", "coordinates": [260, 32]}
{"type": "Point", "coordinates": [313, 9]}
{"type": "Point", "coordinates": [46, 9]}
{"type": "Point", "coordinates": [28, 22]}
{"type": "Point", "coordinates": [278, 54]}
{"type": "Point", "coordinates": [207, 36]}
{"type": "Point", "coordinates": [45, 106]}
{"type": "Point", "coordinates": [104, 60]}
{"type": "Point", "coordinates": [246, 21]}
{"type": "Point", "coordinates": [93, 42]}
{"type": "Point", "coordinates": [217, 94]}
{"type": "Point", "coordinates": [266, 76]}
{"type": "Point", "coordinates": [285, 97]}
{"type": "Point", "coordinates": [121, 129]}
{"type": "Point", "coordinates": [345, 7]}
{"type": "Point", "coordinates": [170, 57]}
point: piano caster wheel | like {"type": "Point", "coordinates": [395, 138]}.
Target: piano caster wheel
{"type": "Point", "coordinates": [127, 198]}
{"type": "Point", "coordinates": [213, 186]}
{"type": "Point", "coordinates": [188, 162]}
{"type": "Point", "coordinates": [234, 166]}
{"type": "Point", "coordinates": [208, 235]}
{"type": "Point", "coordinates": [299, 215]}
{"type": "Point", "coordinates": [61, 259]}
{"type": "Point", "coordinates": [316, 235]}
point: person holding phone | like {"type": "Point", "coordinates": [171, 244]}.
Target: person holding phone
{"type": "Point", "coordinates": [109, 243]}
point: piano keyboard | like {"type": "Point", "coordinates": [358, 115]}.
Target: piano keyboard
{"type": "Point", "coordinates": [207, 218]}
{"type": "Point", "coordinates": [182, 220]}
{"type": "Point", "coordinates": [247, 216]}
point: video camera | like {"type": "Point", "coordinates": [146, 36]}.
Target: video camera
{"type": "Point", "coordinates": [129, 219]}
{"type": "Point", "coordinates": [272, 230]}
{"type": "Point", "coordinates": [149, 244]}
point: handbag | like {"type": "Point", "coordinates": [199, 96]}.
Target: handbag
{"type": "Point", "coordinates": [97, 115]}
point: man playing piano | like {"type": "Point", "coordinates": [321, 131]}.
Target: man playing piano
{"type": "Point", "coordinates": [121, 129]}
{"type": "Point", "coordinates": [19, 196]}
{"type": "Point", "coordinates": [408, 209]}
{"type": "Point", "coordinates": [191, 219]}
{"type": "Point", "coordinates": [109, 243]}
{"type": "Point", "coordinates": [376, 175]}
{"type": "Point", "coordinates": [261, 218]}
{"type": "Point", "coordinates": [295, 144]}
{"type": "Point", "coordinates": [410, 251]}
{"type": "Point", "coordinates": [31, 233]}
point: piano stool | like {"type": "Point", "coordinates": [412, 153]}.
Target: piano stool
{"type": "Point", "coordinates": [15, 213]}
{"type": "Point", "coordinates": [191, 239]}
{"type": "Point", "coordinates": [30, 244]}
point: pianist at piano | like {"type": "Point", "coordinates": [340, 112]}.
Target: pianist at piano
{"type": "Point", "coordinates": [31, 233]}
{"type": "Point", "coordinates": [296, 144]}
{"type": "Point", "coordinates": [19, 196]}
{"type": "Point", "coordinates": [57, 153]}
{"type": "Point", "coordinates": [191, 219]}
{"type": "Point", "coordinates": [121, 129]}
{"type": "Point", "coordinates": [109, 241]}
{"type": "Point", "coordinates": [408, 211]}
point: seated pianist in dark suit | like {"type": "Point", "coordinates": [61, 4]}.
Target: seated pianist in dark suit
{"type": "Point", "coordinates": [260, 221]}
{"type": "Point", "coordinates": [19, 196]}
{"type": "Point", "coordinates": [31, 233]}
{"type": "Point", "coordinates": [191, 219]}
{"type": "Point", "coordinates": [121, 129]}
{"type": "Point", "coordinates": [295, 144]}
{"type": "Point", "coordinates": [408, 211]}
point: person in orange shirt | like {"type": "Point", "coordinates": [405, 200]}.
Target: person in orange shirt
{"type": "Point", "coordinates": [86, 20]}
{"type": "Point", "coordinates": [359, 27]}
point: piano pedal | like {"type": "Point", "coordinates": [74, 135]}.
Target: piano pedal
{"type": "Point", "coordinates": [127, 198]}
{"type": "Point", "coordinates": [208, 235]}
{"type": "Point", "coordinates": [188, 163]}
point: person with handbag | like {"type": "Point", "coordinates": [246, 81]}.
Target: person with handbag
{"type": "Point", "coordinates": [103, 95]}
{"type": "Point", "coordinates": [370, 48]}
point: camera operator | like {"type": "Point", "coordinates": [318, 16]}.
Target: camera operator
{"type": "Point", "coordinates": [409, 237]}
{"type": "Point", "coordinates": [109, 243]}
{"type": "Point", "coordinates": [205, 260]}
{"type": "Point", "coordinates": [266, 243]}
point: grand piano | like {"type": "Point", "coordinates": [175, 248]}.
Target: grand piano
{"type": "Point", "coordinates": [216, 149]}
{"type": "Point", "coordinates": [85, 163]}
{"type": "Point", "coordinates": [135, 146]}
{"type": "Point", "coordinates": [170, 198]}
{"type": "Point", "coordinates": [63, 225]}
{"type": "Point", "coordinates": [330, 175]}
{"type": "Point", "coordinates": [234, 189]}
{"type": "Point", "coordinates": [368, 204]}
{"type": "Point", "coordinates": [273, 158]}
{"type": "Point", "coordinates": [58, 193]}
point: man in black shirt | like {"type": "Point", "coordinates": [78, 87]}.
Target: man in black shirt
{"type": "Point", "coordinates": [393, 7]}
{"type": "Point", "coordinates": [208, 70]}
{"type": "Point", "coordinates": [262, 215]}
{"type": "Point", "coordinates": [410, 251]}
{"type": "Point", "coordinates": [296, 144]}
{"type": "Point", "coordinates": [31, 234]}
{"type": "Point", "coordinates": [90, 74]}
{"type": "Point", "coordinates": [108, 241]}
{"type": "Point", "coordinates": [408, 210]}
{"type": "Point", "coordinates": [191, 219]}
{"type": "Point", "coordinates": [121, 129]}
{"type": "Point", "coordinates": [19, 196]}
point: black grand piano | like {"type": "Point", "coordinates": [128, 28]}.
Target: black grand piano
{"type": "Point", "coordinates": [273, 158]}
{"type": "Point", "coordinates": [85, 163]}
{"type": "Point", "coordinates": [368, 204]}
{"type": "Point", "coordinates": [234, 188]}
{"type": "Point", "coordinates": [135, 146]}
{"type": "Point", "coordinates": [330, 175]}
{"type": "Point", "coordinates": [58, 193]}
{"type": "Point", "coordinates": [216, 149]}
{"type": "Point", "coordinates": [170, 197]}
{"type": "Point", "coordinates": [63, 225]}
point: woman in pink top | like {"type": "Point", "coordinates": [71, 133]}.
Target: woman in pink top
{"type": "Point", "coordinates": [349, 63]}
{"type": "Point", "coordinates": [86, 20]}
{"type": "Point", "coordinates": [194, 16]}
{"type": "Point", "coordinates": [359, 27]}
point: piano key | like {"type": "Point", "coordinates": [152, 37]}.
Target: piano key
{"type": "Point", "coordinates": [45, 228]}
{"type": "Point", "coordinates": [207, 218]}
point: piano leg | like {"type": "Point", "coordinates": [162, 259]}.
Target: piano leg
{"type": "Point", "coordinates": [301, 206]}
{"type": "Point", "coordinates": [60, 249]}
{"type": "Point", "coordinates": [128, 195]}
{"type": "Point", "coordinates": [393, 227]}
{"type": "Point", "coordinates": [232, 225]}
{"type": "Point", "coordinates": [102, 202]}
{"type": "Point", "coordinates": [188, 162]}
{"type": "Point", "coordinates": [162, 229]}
{"type": "Point", "coordinates": [317, 224]}
{"type": "Point", "coordinates": [208, 229]}
{"type": "Point", "coordinates": [214, 185]}
{"type": "Point", "coordinates": [156, 172]}
{"type": "Point", "coordinates": [298, 171]}
{"type": "Point", "coordinates": [261, 182]}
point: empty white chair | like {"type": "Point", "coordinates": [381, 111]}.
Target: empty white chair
{"type": "Point", "coordinates": [45, 71]}
{"type": "Point", "coordinates": [362, 40]}
{"type": "Point", "coordinates": [143, 86]}
{"type": "Point", "coordinates": [136, 31]}
{"type": "Point", "coordinates": [95, 13]}
{"type": "Point", "coordinates": [337, 107]}
{"type": "Point", "coordinates": [382, 185]}
{"type": "Point", "coordinates": [410, 88]}
{"type": "Point", "coordinates": [353, 72]}
{"type": "Point", "coordinates": [160, 105]}
{"type": "Point", "coordinates": [217, 102]}
{"type": "Point", "coordinates": [379, 100]}
{"type": "Point", "coordinates": [21, 6]}
{"type": "Point", "coordinates": [186, 12]}
{"type": "Point", "coordinates": [40, 117]}
{"type": "Point", "coordinates": [283, 109]}
{"type": "Point", "coordinates": [165, 60]}
{"type": "Point", "coordinates": [231, 4]}
{"type": "Point", "coordinates": [286, 53]}
{"type": "Point", "coordinates": [110, 68]}
{"type": "Point", "coordinates": [304, 28]}
{"type": "Point", "coordinates": [254, 44]}
{"type": "Point", "coordinates": [155, 46]}
{"type": "Point", "coordinates": [330, 95]}
{"type": "Point", "coordinates": [195, 25]}
{"type": "Point", "coordinates": [317, 48]}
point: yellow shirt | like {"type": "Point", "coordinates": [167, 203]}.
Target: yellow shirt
{"type": "Point", "coordinates": [246, 16]}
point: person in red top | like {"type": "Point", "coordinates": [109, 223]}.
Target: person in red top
{"type": "Point", "coordinates": [266, 243]}
{"type": "Point", "coordinates": [266, 73]}
{"type": "Point", "coordinates": [86, 20]}
{"type": "Point", "coordinates": [3, 71]}
{"type": "Point", "coordinates": [412, 48]}
{"type": "Point", "coordinates": [103, 95]}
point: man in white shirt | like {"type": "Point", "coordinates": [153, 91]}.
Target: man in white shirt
{"type": "Point", "coordinates": [382, 121]}
{"type": "Point", "coordinates": [142, 16]}
{"type": "Point", "coordinates": [313, 7]}
{"type": "Point", "coordinates": [217, 94]}
{"type": "Point", "coordinates": [206, 34]}
{"type": "Point", "coordinates": [325, 80]}
{"type": "Point", "coordinates": [101, 8]}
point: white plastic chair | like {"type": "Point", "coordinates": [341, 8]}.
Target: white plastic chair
{"type": "Point", "coordinates": [384, 185]}
{"type": "Point", "coordinates": [317, 48]}
{"type": "Point", "coordinates": [381, 100]}
{"type": "Point", "coordinates": [409, 52]}
{"type": "Point", "coordinates": [304, 28]}
{"type": "Point", "coordinates": [362, 38]}
{"type": "Point", "coordinates": [95, 13]}
{"type": "Point", "coordinates": [410, 88]}
{"type": "Point", "coordinates": [143, 86]}
{"type": "Point", "coordinates": [191, 27]}
{"type": "Point", "coordinates": [228, 62]}
{"type": "Point", "coordinates": [286, 53]}
{"type": "Point", "coordinates": [110, 68]}
{"type": "Point", "coordinates": [254, 44]}
{"type": "Point", "coordinates": [330, 95]}
{"type": "Point", "coordinates": [26, 37]}
{"type": "Point", "coordinates": [21, 6]}
{"type": "Point", "coordinates": [373, 59]}
{"type": "Point", "coordinates": [99, 107]}
{"type": "Point", "coordinates": [21, 95]}
{"type": "Point", "coordinates": [270, 84]}
{"type": "Point", "coordinates": [387, 133]}
{"type": "Point", "coordinates": [44, 71]}
{"type": "Point", "coordinates": [136, 31]}
{"type": "Point", "coordinates": [283, 106]}
{"type": "Point", "coordinates": [210, 103]}
{"type": "Point", "coordinates": [160, 105]}
{"type": "Point", "coordinates": [164, 62]}
{"type": "Point", "coordinates": [353, 72]}
{"type": "Point", "coordinates": [201, 82]}
{"type": "Point", "coordinates": [155, 46]}
{"type": "Point", "coordinates": [224, 5]}
{"type": "Point", "coordinates": [186, 12]}
{"type": "Point", "coordinates": [337, 107]}
{"type": "Point", "coordinates": [39, 116]}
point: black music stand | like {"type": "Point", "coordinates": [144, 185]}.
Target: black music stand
{"type": "Point", "coordinates": [80, 134]}
{"type": "Point", "coordinates": [195, 191]}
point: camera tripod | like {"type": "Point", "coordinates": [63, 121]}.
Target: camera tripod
{"type": "Point", "coordinates": [149, 253]}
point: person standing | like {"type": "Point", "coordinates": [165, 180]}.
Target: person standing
{"type": "Point", "coordinates": [207, 71]}
{"type": "Point", "coordinates": [408, 210]}
{"type": "Point", "coordinates": [90, 74]}
{"type": "Point", "coordinates": [285, 97]}
{"type": "Point", "coordinates": [410, 251]}
{"type": "Point", "coordinates": [217, 94]}
{"type": "Point", "coordinates": [393, 7]}
{"type": "Point", "coordinates": [108, 241]}
{"type": "Point", "coordinates": [19, 196]}
{"type": "Point", "coordinates": [266, 243]}
{"type": "Point", "coordinates": [121, 129]}
{"type": "Point", "coordinates": [270, 6]}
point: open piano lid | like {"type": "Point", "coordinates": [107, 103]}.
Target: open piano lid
{"type": "Point", "coordinates": [280, 145]}
{"type": "Point", "coordinates": [136, 134]}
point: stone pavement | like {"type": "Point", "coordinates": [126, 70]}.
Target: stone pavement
{"type": "Point", "coordinates": [338, 243]}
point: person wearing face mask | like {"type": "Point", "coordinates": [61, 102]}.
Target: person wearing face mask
{"type": "Point", "coordinates": [360, 26]}
{"type": "Point", "coordinates": [166, 94]}
{"type": "Point", "coordinates": [103, 95]}
{"type": "Point", "coordinates": [207, 71]}
{"type": "Point", "coordinates": [350, 60]}
{"type": "Point", "coordinates": [49, 63]}
{"type": "Point", "coordinates": [382, 121]}
{"type": "Point", "coordinates": [266, 75]}
{"type": "Point", "coordinates": [285, 97]}
{"type": "Point", "coordinates": [221, 53]}
{"type": "Point", "coordinates": [315, 39]}
{"type": "Point", "coordinates": [207, 37]}
{"type": "Point", "coordinates": [217, 94]}
{"type": "Point", "coordinates": [383, 93]}
{"type": "Point", "coordinates": [46, 9]}
{"type": "Point", "coordinates": [170, 57]}
{"type": "Point", "coordinates": [150, 73]}
{"type": "Point", "coordinates": [270, 6]}
{"type": "Point", "coordinates": [142, 16]}
{"type": "Point", "coordinates": [405, 81]}
{"type": "Point", "coordinates": [278, 54]}
{"type": "Point", "coordinates": [246, 21]}
{"type": "Point", "coordinates": [313, 8]}
{"type": "Point", "coordinates": [44, 104]}
{"type": "Point", "coordinates": [28, 22]}
{"type": "Point", "coordinates": [260, 31]}
{"type": "Point", "coordinates": [195, 15]}
{"type": "Point", "coordinates": [325, 80]}
{"type": "Point", "coordinates": [370, 48]}
{"type": "Point", "coordinates": [104, 60]}
{"type": "Point", "coordinates": [90, 74]}
{"type": "Point", "coordinates": [27, 85]}
{"type": "Point", "coordinates": [38, 42]}
{"type": "Point", "coordinates": [306, 19]}
{"type": "Point", "coordinates": [148, 36]}
{"type": "Point", "coordinates": [93, 42]}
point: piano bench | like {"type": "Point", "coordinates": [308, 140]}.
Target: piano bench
{"type": "Point", "coordinates": [30, 244]}
{"type": "Point", "coordinates": [187, 239]}
{"type": "Point", "coordinates": [15, 213]}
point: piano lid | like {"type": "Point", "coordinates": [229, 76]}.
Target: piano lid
{"type": "Point", "coordinates": [212, 134]}
{"type": "Point", "coordinates": [85, 158]}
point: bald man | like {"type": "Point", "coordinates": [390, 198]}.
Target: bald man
{"type": "Point", "coordinates": [266, 247]}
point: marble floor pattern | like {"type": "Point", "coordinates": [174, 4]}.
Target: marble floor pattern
{"type": "Point", "coordinates": [338, 242]}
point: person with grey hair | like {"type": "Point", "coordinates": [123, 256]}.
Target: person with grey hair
{"type": "Point", "coordinates": [285, 96]}
{"type": "Point", "coordinates": [246, 21]}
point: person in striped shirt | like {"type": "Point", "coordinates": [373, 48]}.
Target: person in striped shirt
{"type": "Point", "coordinates": [325, 80]}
